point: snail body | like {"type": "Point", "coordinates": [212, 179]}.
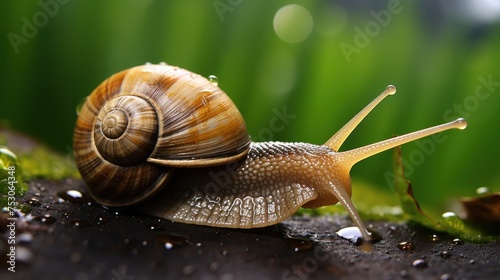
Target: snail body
{"type": "Point", "coordinates": [173, 144]}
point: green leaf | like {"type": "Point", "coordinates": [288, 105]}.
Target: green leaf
{"type": "Point", "coordinates": [449, 222]}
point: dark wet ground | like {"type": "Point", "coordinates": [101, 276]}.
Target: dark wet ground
{"type": "Point", "coordinates": [67, 237]}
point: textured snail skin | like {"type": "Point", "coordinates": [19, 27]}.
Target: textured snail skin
{"type": "Point", "coordinates": [266, 187]}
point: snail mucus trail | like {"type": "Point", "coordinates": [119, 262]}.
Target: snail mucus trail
{"type": "Point", "coordinates": [175, 145]}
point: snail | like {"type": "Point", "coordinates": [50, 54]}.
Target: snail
{"type": "Point", "coordinates": [175, 145]}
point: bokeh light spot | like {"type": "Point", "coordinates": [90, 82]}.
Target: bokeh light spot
{"type": "Point", "coordinates": [293, 23]}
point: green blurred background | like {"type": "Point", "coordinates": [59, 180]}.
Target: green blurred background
{"type": "Point", "coordinates": [435, 52]}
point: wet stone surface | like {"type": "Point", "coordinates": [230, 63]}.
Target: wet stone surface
{"type": "Point", "coordinates": [66, 235]}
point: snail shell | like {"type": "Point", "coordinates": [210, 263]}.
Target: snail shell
{"type": "Point", "coordinates": [140, 124]}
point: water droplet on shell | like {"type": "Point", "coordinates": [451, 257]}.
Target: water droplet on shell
{"type": "Point", "coordinates": [213, 80]}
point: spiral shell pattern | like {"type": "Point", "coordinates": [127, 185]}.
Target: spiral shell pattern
{"type": "Point", "coordinates": [141, 123]}
{"type": "Point", "coordinates": [126, 130]}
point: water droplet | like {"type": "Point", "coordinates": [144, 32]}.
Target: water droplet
{"type": "Point", "coordinates": [483, 191]}
{"type": "Point", "coordinates": [79, 223]}
{"type": "Point", "coordinates": [213, 80]}
{"type": "Point", "coordinates": [101, 220]}
{"type": "Point", "coordinates": [74, 196]}
{"type": "Point", "coordinates": [406, 246]}
{"type": "Point", "coordinates": [419, 263]}
{"type": "Point", "coordinates": [80, 104]}
{"type": "Point", "coordinates": [434, 238]}
{"type": "Point", "coordinates": [472, 261]}
{"type": "Point", "coordinates": [155, 227]}
{"type": "Point", "coordinates": [452, 220]}
{"type": "Point", "coordinates": [23, 254]}
{"type": "Point", "coordinates": [445, 254]}
{"type": "Point", "coordinates": [447, 215]}
{"type": "Point", "coordinates": [170, 241]}
{"type": "Point", "coordinates": [25, 237]}
{"type": "Point", "coordinates": [7, 158]}
{"type": "Point", "coordinates": [446, 276]}
{"type": "Point", "coordinates": [34, 202]}
{"type": "Point", "coordinates": [457, 241]}
{"type": "Point", "coordinates": [353, 234]}
{"type": "Point", "coordinates": [46, 219]}
{"type": "Point", "coordinates": [298, 244]}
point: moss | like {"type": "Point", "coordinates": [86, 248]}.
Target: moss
{"type": "Point", "coordinates": [37, 160]}
{"type": "Point", "coordinates": [12, 186]}
{"type": "Point", "coordinates": [45, 163]}
{"type": "Point", "coordinates": [21, 162]}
